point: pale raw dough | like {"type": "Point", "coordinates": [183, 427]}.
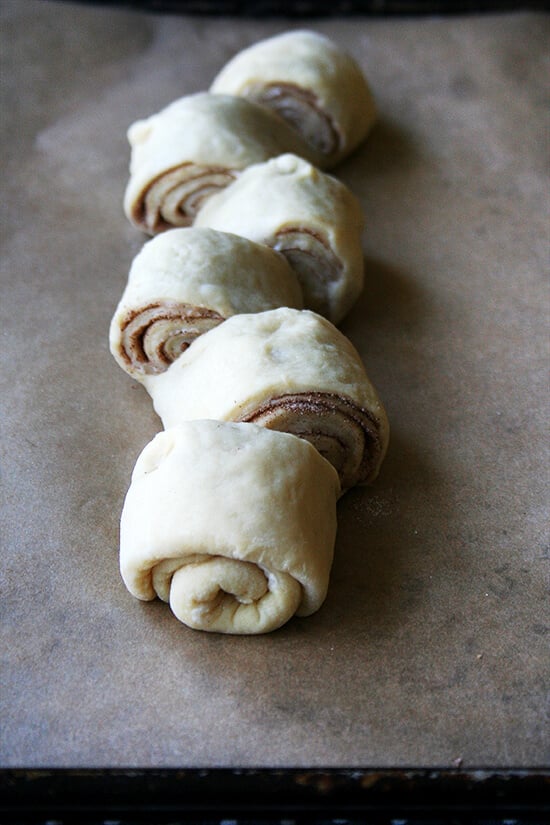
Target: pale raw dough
{"type": "Point", "coordinates": [309, 216]}
{"type": "Point", "coordinates": [194, 147]}
{"type": "Point", "coordinates": [290, 370]}
{"type": "Point", "coordinates": [185, 281]}
{"type": "Point", "coordinates": [309, 81]}
{"type": "Point", "coordinates": [233, 524]}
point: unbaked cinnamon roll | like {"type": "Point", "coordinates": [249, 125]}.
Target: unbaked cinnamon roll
{"type": "Point", "coordinates": [310, 82]}
{"type": "Point", "coordinates": [287, 370]}
{"type": "Point", "coordinates": [312, 218]}
{"type": "Point", "coordinates": [232, 524]}
{"type": "Point", "coordinates": [194, 147]}
{"type": "Point", "coordinates": [185, 282]}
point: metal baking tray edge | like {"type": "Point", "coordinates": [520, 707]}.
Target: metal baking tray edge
{"type": "Point", "coordinates": [166, 795]}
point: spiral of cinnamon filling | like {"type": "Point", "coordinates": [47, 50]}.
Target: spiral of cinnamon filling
{"type": "Point", "coordinates": [313, 261]}
{"type": "Point", "coordinates": [346, 435]}
{"type": "Point", "coordinates": [174, 198]}
{"type": "Point", "coordinates": [154, 336]}
{"type": "Point", "coordinates": [301, 110]}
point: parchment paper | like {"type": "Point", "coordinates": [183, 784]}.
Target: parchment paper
{"type": "Point", "coordinates": [432, 645]}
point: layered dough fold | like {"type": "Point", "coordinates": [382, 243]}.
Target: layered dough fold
{"type": "Point", "coordinates": [186, 281]}
{"type": "Point", "coordinates": [287, 370]}
{"type": "Point", "coordinates": [312, 218]}
{"type": "Point", "coordinates": [232, 524]}
{"type": "Point", "coordinates": [194, 147]}
{"type": "Point", "coordinates": [309, 82]}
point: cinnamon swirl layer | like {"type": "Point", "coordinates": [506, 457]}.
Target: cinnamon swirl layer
{"type": "Point", "coordinates": [186, 281]}
{"type": "Point", "coordinates": [312, 218]}
{"type": "Point", "coordinates": [288, 370]}
{"type": "Point", "coordinates": [311, 83]}
{"type": "Point", "coordinates": [194, 147]}
{"type": "Point", "coordinates": [232, 524]}
{"type": "Point", "coordinates": [174, 198]}
{"type": "Point", "coordinates": [153, 336]}
{"type": "Point", "coordinates": [317, 268]}
{"type": "Point", "coordinates": [343, 433]}
{"type": "Point", "coordinates": [302, 110]}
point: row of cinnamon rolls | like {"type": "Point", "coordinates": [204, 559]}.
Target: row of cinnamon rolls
{"type": "Point", "coordinates": [228, 320]}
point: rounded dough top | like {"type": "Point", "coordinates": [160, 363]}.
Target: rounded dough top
{"type": "Point", "coordinates": [210, 130]}
{"type": "Point", "coordinates": [230, 369]}
{"type": "Point", "coordinates": [295, 193]}
{"type": "Point", "coordinates": [214, 269]}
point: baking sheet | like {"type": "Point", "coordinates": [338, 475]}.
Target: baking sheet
{"type": "Point", "coordinates": [432, 646]}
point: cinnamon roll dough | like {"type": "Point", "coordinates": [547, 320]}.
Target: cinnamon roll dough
{"type": "Point", "coordinates": [288, 370]}
{"type": "Point", "coordinates": [311, 83]}
{"type": "Point", "coordinates": [186, 281]}
{"type": "Point", "coordinates": [232, 524]}
{"type": "Point", "coordinates": [194, 147]}
{"type": "Point", "coordinates": [312, 218]}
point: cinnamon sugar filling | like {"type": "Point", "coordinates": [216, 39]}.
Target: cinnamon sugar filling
{"type": "Point", "coordinates": [155, 335]}
{"type": "Point", "coordinates": [312, 259]}
{"type": "Point", "coordinates": [301, 110]}
{"type": "Point", "coordinates": [175, 196]}
{"type": "Point", "coordinates": [344, 434]}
